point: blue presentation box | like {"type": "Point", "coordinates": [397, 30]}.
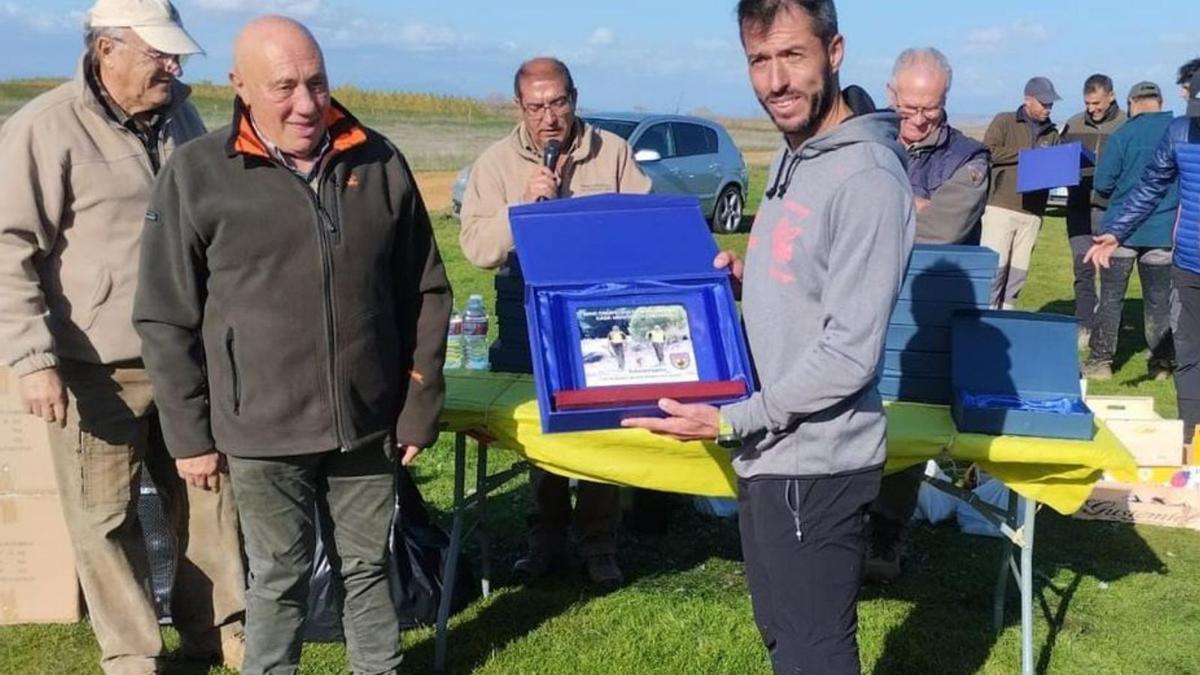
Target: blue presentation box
{"type": "Point", "coordinates": [1053, 166]}
{"type": "Point", "coordinates": [582, 258]}
{"type": "Point", "coordinates": [915, 389]}
{"type": "Point", "coordinates": [1017, 373]}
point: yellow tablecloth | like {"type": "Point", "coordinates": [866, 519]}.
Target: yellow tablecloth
{"type": "Point", "coordinates": [503, 407]}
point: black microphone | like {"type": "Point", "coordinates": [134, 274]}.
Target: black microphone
{"type": "Point", "coordinates": [550, 158]}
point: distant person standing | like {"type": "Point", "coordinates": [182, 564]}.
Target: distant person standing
{"type": "Point", "coordinates": [1177, 158]}
{"type": "Point", "coordinates": [616, 340]}
{"type": "Point", "coordinates": [1128, 153]}
{"type": "Point", "coordinates": [658, 340]}
{"type": "Point", "coordinates": [1012, 220]}
{"type": "Point", "coordinates": [1093, 127]}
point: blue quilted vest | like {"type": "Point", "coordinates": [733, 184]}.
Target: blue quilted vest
{"type": "Point", "coordinates": [1187, 231]}
{"type": "Point", "coordinates": [930, 166]}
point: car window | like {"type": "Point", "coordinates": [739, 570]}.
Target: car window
{"type": "Point", "coordinates": [656, 138]}
{"type": "Point", "coordinates": [618, 127]}
{"type": "Point", "coordinates": [693, 139]}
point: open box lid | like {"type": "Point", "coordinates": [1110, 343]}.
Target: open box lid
{"type": "Point", "coordinates": [612, 237]}
{"type": "Point", "coordinates": [1017, 353]}
{"type": "Point", "coordinates": [1053, 166]}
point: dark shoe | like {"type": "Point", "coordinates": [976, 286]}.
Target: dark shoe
{"type": "Point", "coordinates": [538, 565]}
{"type": "Point", "coordinates": [1160, 370]}
{"type": "Point", "coordinates": [1097, 370]}
{"type": "Point", "coordinates": [604, 572]}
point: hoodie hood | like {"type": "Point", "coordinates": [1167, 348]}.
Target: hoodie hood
{"type": "Point", "coordinates": [867, 125]}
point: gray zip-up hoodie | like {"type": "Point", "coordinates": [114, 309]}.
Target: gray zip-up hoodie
{"type": "Point", "coordinates": [825, 262]}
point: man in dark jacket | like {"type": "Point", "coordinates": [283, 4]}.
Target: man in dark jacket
{"type": "Point", "coordinates": [1177, 157]}
{"type": "Point", "coordinates": [293, 307]}
{"type": "Point", "coordinates": [1092, 128]}
{"type": "Point", "coordinates": [1128, 152]}
{"type": "Point", "coordinates": [1012, 220]}
{"type": "Point", "coordinates": [948, 173]}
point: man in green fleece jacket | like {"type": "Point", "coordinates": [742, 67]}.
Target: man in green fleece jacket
{"type": "Point", "coordinates": [1012, 220]}
{"type": "Point", "coordinates": [294, 307]}
{"type": "Point", "coordinates": [824, 265]}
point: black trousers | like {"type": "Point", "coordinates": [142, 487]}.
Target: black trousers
{"type": "Point", "coordinates": [804, 543]}
{"type": "Point", "coordinates": [1081, 225]}
{"type": "Point", "coordinates": [1185, 326]}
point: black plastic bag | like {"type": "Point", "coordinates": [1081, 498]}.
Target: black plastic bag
{"type": "Point", "coordinates": [418, 548]}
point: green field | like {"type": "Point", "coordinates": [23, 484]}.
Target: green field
{"type": "Point", "coordinates": [1112, 598]}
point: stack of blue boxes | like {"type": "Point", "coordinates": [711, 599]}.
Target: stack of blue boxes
{"type": "Point", "coordinates": [941, 280]}
{"type": "Point", "coordinates": [510, 352]}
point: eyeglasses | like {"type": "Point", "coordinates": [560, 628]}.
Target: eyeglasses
{"type": "Point", "coordinates": [161, 58]}
{"type": "Point", "coordinates": [930, 114]}
{"type": "Point", "coordinates": [557, 106]}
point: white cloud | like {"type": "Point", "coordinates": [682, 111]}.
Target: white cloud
{"type": "Point", "coordinates": [404, 35]}
{"type": "Point", "coordinates": [601, 37]}
{"type": "Point", "coordinates": [993, 38]}
{"type": "Point", "coordinates": [40, 20]}
{"type": "Point", "coordinates": [302, 8]}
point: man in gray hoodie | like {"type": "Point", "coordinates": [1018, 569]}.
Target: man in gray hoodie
{"type": "Point", "coordinates": [825, 262]}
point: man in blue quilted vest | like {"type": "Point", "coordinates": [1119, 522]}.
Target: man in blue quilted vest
{"type": "Point", "coordinates": [1177, 158]}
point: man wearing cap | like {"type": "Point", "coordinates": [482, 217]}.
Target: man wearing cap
{"type": "Point", "coordinates": [1176, 158]}
{"type": "Point", "coordinates": [1012, 220]}
{"type": "Point", "coordinates": [1127, 154]}
{"type": "Point", "coordinates": [76, 168]}
{"type": "Point", "coordinates": [1091, 128]}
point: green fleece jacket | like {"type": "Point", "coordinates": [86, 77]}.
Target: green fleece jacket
{"type": "Point", "coordinates": [1006, 137]}
{"type": "Point", "coordinates": [283, 318]}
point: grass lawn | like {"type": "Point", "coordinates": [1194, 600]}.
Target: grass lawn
{"type": "Point", "coordinates": [1119, 599]}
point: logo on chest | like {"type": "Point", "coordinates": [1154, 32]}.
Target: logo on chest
{"type": "Point", "coordinates": [784, 233]}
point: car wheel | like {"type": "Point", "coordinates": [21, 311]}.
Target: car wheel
{"type": "Point", "coordinates": [727, 212]}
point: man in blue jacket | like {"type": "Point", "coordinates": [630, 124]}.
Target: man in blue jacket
{"type": "Point", "coordinates": [1177, 157]}
{"type": "Point", "coordinates": [1126, 155]}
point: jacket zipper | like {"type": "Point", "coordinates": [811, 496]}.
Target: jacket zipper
{"type": "Point", "coordinates": [233, 370]}
{"type": "Point", "coordinates": [327, 235]}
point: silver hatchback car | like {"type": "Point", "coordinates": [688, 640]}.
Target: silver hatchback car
{"type": "Point", "coordinates": [681, 154]}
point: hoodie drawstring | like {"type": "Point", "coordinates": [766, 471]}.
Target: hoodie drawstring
{"type": "Point", "coordinates": [783, 177]}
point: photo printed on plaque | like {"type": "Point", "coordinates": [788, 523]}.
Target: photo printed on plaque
{"type": "Point", "coordinates": [626, 345]}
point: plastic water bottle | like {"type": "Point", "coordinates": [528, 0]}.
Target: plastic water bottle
{"type": "Point", "coordinates": [454, 342]}
{"type": "Point", "coordinates": [474, 329]}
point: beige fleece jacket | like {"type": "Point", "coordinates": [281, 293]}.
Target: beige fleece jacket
{"type": "Point", "coordinates": [74, 186]}
{"type": "Point", "coordinates": [598, 162]}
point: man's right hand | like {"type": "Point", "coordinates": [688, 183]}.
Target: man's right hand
{"type": "Point", "coordinates": [1101, 251]}
{"type": "Point", "coordinates": [730, 260]}
{"type": "Point", "coordinates": [542, 183]}
{"type": "Point", "coordinates": [45, 396]}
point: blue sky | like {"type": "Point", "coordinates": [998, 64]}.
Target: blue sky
{"type": "Point", "coordinates": [661, 55]}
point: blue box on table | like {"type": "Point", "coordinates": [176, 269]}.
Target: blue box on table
{"type": "Point", "coordinates": [1053, 166]}
{"type": "Point", "coordinates": [941, 280]}
{"type": "Point", "coordinates": [590, 259]}
{"type": "Point", "coordinates": [1017, 373]}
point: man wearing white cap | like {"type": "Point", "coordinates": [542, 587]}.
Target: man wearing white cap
{"type": "Point", "coordinates": [76, 167]}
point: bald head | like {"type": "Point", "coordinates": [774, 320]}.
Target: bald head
{"type": "Point", "coordinates": [279, 74]}
{"type": "Point", "coordinates": [543, 68]}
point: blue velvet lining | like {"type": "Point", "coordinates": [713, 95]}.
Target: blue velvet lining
{"type": "Point", "coordinates": [1066, 405]}
{"type": "Point", "coordinates": [712, 318]}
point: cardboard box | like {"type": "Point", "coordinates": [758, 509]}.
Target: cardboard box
{"type": "Point", "coordinates": [1152, 442]}
{"type": "Point", "coordinates": [1143, 505]}
{"type": "Point", "coordinates": [37, 566]}
{"type": "Point", "coordinates": [25, 464]}
{"type": "Point", "coordinates": [1123, 407]}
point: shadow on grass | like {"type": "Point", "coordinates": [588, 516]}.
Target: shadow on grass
{"type": "Point", "coordinates": [949, 629]}
{"type": "Point", "coordinates": [1131, 336]}
{"type": "Point", "coordinates": [685, 541]}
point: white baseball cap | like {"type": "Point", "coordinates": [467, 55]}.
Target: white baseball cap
{"type": "Point", "coordinates": [155, 21]}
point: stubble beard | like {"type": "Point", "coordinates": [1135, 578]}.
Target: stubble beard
{"type": "Point", "coordinates": [819, 106]}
